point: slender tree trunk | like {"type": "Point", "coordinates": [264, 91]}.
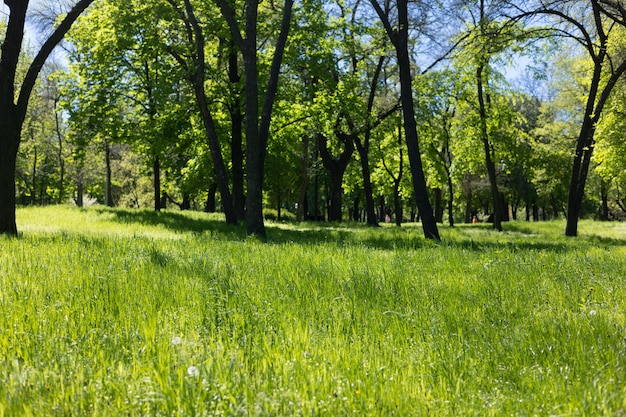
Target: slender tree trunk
{"type": "Point", "coordinates": [397, 202]}
{"type": "Point", "coordinates": [438, 204]}
{"type": "Point", "coordinates": [60, 154]}
{"type": "Point", "coordinates": [593, 109]}
{"type": "Point", "coordinates": [604, 197]}
{"type": "Point", "coordinates": [156, 171]}
{"type": "Point", "coordinates": [370, 205]}
{"type": "Point", "coordinates": [363, 149]}
{"type": "Point", "coordinates": [450, 201]}
{"type": "Point", "coordinates": [79, 192]}
{"type": "Point", "coordinates": [429, 224]}
{"type": "Point", "coordinates": [108, 192]}
{"type": "Point", "coordinates": [237, 119]}
{"type": "Point", "coordinates": [489, 164]}
{"type": "Point", "coordinates": [304, 182]}
{"type": "Point", "coordinates": [207, 118]}
{"type": "Point", "coordinates": [33, 196]}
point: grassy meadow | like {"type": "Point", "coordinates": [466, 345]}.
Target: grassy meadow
{"type": "Point", "coordinates": [133, 313]}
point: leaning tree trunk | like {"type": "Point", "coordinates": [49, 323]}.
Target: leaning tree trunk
{"type": "Point", "coordinates": [420, 188]}
{"type": "Point", "coordinates": [207, 118]}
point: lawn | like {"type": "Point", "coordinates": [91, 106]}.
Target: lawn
{"type": "Point", "coordinates": [109, 312]}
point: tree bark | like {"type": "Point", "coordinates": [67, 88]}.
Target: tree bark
{"type": "Point", "coordinates": [207, 117]}
{"type": "Point", "coordinates": [420, 189]}
{"type": "Point", "coordinates": [489, 164]}
{"type": "Point", "coordinates": [9, 143]}
{"type": "Point", "coordinates": [156, 171]}
{"type": "Point", "coordinates": [236, 140]}
{"type": "Point", "coordinates": [370, 205]}
{"type": "Point", "coordinates": [336, 167]}
{"type": "Point", "coordinates": [304, 181]}
{"type": "Point", "coordinates": [256, 128]}
{"type": "Point", "coordinates": [108, 183]}
{"type": "Point", "coordinates": [399, 38]}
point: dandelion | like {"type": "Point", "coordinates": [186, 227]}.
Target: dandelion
{"type": "Point", "coordinates": [592, 312]}
{"type": "Point", "coordinates": [193, 371]}
{"type": "Point", "coordinates": [176, 340]}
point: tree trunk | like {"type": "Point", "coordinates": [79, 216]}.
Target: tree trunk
{"type": "Point", "coordinates": [450, 201]}
{"type": "Point", "coordinates": [438, 205]}
{"type": "Point", "coordinates": [397, 201]}
{"type": "Point", "coordinates": [60, 154]}
{"type": "Point", "coordinates": [429, 224]}
{"type": "Point", "coordinates": [370, 206]}
{"type": "Point", "coordinates": [336, 167]}
{"type": "Point", "coordinates": [257, 128]}
{"type": "Point", "coordinates": [304, 182]}
{"type": "Point", "coordinates": [156, 171]}
{"type": "Point", "coordinates": [33, 195]}
{"type": "Point", "coordinates": [207, 117]}
{"type": "Point", "coordinates": [593, 110]}
{"type": "Point", "coordinates": [604, 196]}
{"type": "Point", "coordinates": [80, 202]}
{"type": "Point", "coordinates": [335, 210]}
{"type": "Point", "coordinates": [9, 143]}
{"type": "Point", "coordinates": [209, 207]}
{"type": "Point", "coordinates": [108, 192]}
{"type": "Point", "coordinates": [498, 213]}
{"type": "Point", "coordinates": [236, 143]}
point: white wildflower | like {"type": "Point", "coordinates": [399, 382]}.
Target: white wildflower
{"type": "Point", "coordinates": [193, 371]}
{"type": "Point", "coordinates": [176, 340]}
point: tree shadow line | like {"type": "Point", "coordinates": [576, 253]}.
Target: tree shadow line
{"type": "Point", "coordinates": [350, 234]}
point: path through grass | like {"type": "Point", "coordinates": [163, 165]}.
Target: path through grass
{"type": "Point", "coordinates": [111, 312]}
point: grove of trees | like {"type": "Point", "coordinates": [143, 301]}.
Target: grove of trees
{"type": "Point", "coordinates": [387, 110]}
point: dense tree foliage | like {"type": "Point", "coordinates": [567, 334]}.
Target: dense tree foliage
{"type": "Point", "coordinates": [334, 110]}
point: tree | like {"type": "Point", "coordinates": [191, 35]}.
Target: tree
{"type": "Point", "coordinates": [257, 126]}
{"type": "Point", "coordinates": [196, 70]}
{"type": "Point", "coordinates": [399, 38]}
{"type": "Point", "coordinates": [592, 25]}
{"type": "Point", "coordinates": [12, 111]}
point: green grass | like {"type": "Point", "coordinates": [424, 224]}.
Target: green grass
{"type": "Point", "coordinates": [112, 312]}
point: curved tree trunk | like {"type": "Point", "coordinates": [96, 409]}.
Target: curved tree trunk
{"type": "Point", "coordinates": [12, 114]}
{"type": "Point", "coordinates": [207, 117]}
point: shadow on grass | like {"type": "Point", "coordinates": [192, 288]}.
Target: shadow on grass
{"type": "Point", "coordinates": [179, 222]}
{"type": "Point", "coordinates": [466, 237]}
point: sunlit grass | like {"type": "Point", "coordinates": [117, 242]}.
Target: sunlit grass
{"type": "Point", "coordinates": [113, 312]}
